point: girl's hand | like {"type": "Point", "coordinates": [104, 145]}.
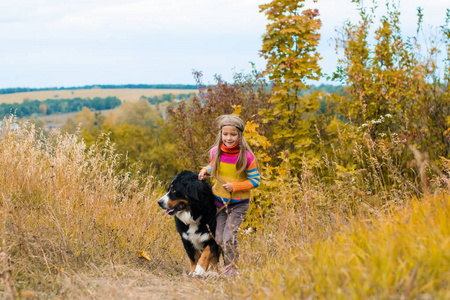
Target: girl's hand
{"type": "Point", "coordinates": [202, 174]}
{"type": "Point", "coordinates": [228, 187]}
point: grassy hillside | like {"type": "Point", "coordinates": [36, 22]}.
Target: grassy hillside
{"type": "Point", "coordinates": [122, 94]}
{"type": "Point", "coordinates": [72, 225]}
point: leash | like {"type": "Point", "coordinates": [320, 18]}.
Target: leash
{"type": "Point", "coordinates": [225, 206]}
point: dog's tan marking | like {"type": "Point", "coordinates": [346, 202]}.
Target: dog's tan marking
{"type": "Point", "coordinates": [207, 258]}
{"type": "Point", "coordinates": [194, 263]}
{"type": "Point", "coordinates": [173, 203]}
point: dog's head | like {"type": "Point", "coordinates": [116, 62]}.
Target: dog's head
{"type": "Point", "coordinates": [185, 193]}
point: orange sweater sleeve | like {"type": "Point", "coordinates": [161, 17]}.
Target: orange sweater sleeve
{"type": "Point", "coordinates": [253, 181]}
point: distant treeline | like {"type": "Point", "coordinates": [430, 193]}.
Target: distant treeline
{"type": "Point", "coordinates": [167, 97]}
{"type": "Point", "coordinates": [103, 86]}
{"type": "Point", "coordinates": [326, 88]}
{"type": "Point", "coordinates": [52, 106]}
{"type": "Point", "coordinates": [323, 88]}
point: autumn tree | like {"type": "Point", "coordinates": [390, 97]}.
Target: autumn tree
{"type": "Point", "coordinates": [140, 113]}
{"type": "Point", "coordinates": [43, 109]}
{"type": "Point", "coordinates": [289, 46]}
{"type": "Point", "coordinates": [436, 102]}
{"type": "Point", "coordinates": [384, 80]}
{"type": "Point", "coordinates": [193, 120]}
{"type": "Point", "coordinates": [393, 86]}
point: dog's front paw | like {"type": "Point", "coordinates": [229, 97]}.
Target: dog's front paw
{"type": "Point", "coordinates": [199, 271]}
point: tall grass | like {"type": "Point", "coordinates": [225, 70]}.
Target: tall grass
{"type": "Point", "coordinates": [401, 253]}
{"type": "Point", "coordinates": [369, 233]}
{"type": "Point", "coordinates": [65, 208]}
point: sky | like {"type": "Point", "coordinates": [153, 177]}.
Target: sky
{"type": "Point", "coordinates": [63, 43]}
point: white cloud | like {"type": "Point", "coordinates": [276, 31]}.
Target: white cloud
{"type": "Point", "coordinates": [55, 18]}
{"type": "Point", "coordinates": [124, 40]}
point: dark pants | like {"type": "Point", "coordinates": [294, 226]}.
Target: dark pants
{"type": "Point", "coordinates": [228, 222]}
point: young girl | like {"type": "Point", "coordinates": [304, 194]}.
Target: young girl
{"type": "Point", "coordinates": [234, 166]}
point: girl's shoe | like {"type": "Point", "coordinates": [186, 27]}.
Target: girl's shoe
{"type": "Point", "coordinates": [230, 272]}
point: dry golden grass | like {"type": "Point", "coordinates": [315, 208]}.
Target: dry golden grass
{"type": "Point", "coordinates": [404, 253]}
{"type": "Point", "coordinates": [122, 94]}
{"type": "Point", "coordinates": [65, 208]}
{"type": "Point", "coordinates": [72, 223]}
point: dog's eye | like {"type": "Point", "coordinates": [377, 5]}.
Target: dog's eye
{"type": "Point", "coordinates": [172, 191]}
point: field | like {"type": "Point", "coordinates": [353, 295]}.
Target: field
{"type": "Point", "coordinates": [72, 226]}
{"type": "Point", "coordinates": [122, 94]}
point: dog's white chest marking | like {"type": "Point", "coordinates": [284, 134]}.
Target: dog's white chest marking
{"type": "Point", "coordinates": [192, 235]}
{"type": "Point", "coordinates": [186, 218]}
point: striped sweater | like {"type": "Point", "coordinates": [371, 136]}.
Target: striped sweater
{"type": "Point", "coordinates": [242, 184]}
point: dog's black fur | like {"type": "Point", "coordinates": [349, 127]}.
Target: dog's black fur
{"type": "Point", "coordinates": [191, 201]}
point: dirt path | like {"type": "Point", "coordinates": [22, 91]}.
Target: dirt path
{"type": "Point", "coordinates": [140, 285]}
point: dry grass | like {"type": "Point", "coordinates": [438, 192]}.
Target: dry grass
{"type": "Point", "coordinates": [404, 253]}
{"type": "Point", "coordinates": [72, 223]}
{"type": "Point", "coordinates": [122, 94]}
{"type": "Point", "coordinates": [65, 207]}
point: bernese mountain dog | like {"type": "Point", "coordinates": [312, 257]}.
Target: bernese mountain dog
{"type": "Point", "coordinates": [191, 201]}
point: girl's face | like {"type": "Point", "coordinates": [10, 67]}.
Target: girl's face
{"type": "Point", "coordinates": [230, 135]}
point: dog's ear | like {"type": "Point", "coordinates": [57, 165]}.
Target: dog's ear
{"type": "Point", "coordinates": [192, 191]}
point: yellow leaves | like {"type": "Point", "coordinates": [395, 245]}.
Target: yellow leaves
{"type": "Point", "coordinates": [251, 127]}
{"type": "Point", "coordinates": [253, 137]}
{"type": "Point", "coordinates": [264, 158]}
{"type": "Point", "coordinates": [290, 35]}
{"type": "Point", "coordinates": [237, 110]}
{"type": "Point", "coordinates": [289, 31]}
{"type": "Point", "coordinates": [145, 255]}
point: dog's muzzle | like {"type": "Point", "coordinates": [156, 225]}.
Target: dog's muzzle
{"type": "Point", "coordinates": [163, 202]}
